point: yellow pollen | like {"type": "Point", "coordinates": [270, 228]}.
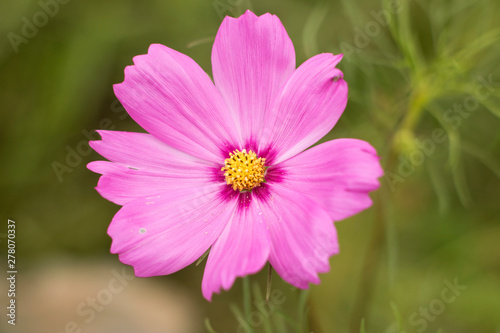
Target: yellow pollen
{"type": "Point", "coordinates": [243, 170]}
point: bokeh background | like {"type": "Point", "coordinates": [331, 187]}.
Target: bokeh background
{"type": "Point", "coordinates": [424, 89]}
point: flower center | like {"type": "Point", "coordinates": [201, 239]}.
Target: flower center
{"type": "Point", "coordinates": [243, 170]}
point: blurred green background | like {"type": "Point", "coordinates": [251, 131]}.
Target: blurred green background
{"type": "Point", "coordinates": [424, 89]}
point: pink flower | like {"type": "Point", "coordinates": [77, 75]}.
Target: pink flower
{"type": "Point", "coordinates": [224, 167]}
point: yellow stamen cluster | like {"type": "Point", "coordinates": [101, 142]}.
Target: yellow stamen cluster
{"type": "Point", "coordinates": [243, 170]}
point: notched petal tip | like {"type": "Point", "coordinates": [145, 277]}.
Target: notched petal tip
{"type": "Point", "coordinates": [248, 12]}
{"type": "Point", "coordinates": [120, 87]}
{"type": "Point", "coordinates": [127, 70]}
{"type": "Point", "coordinates": [250, 16]}
{"type": "Point", "coordinates": [139, 271]}
{"type": "Point", "coordinates": [156, 47]}
{"type": "Point", "coordinates": [334, 58]}
{"type": "Point", "coordinates": [131, 70]}
{"type": "Point", "coordinates": [95, 144]}
{"type": "Point", "coordinates": [102, 133]}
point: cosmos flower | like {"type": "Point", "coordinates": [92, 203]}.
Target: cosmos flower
{"type": "Point", "coordinates": [224, 166]}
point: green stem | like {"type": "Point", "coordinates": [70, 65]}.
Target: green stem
{"type": "Point", "coordinates": [373, 254]}
{"type": "Point", "coordinates": [416, 105]}
{"type": "Point", "coordinates": [247, 301]}
{"type": "Point", "coordinates": [303, 309]}
{"type": "Point", "coordinates": [370, 267]}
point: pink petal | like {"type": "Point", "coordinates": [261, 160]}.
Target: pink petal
{"type": "Point", "coordinates": [162, 234]}
{"type": "Point", "coordinates": [121, 184]}
{"type": "Point", "coordinates": [337, 174]}
{"type": "Point", "coordinates": [302, 235]}
{"type": "Point", "coordinates": [172, 98]}
{"type": "Point", "coordinates": [145, 166]}
{"type": "Point", "coordinates": [251, 58]}
{"type": "Point", "coordinates": [307, 107]}
{"type": "Point", "coordinates": [242, 248]}
{"type": "Point", "coordinates": [142, 150]}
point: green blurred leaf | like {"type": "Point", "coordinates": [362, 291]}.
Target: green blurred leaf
{"type": "Point", "coordinates": [362, 326]}
{"type": "Point", "coordinates": [439, 185]}
{"type": "Point", "coordinates": [257, 293]}
{"type": "Point", "coordinates": [311, 28]}
{"type": "Point", "coordinates": [483, 156]}
{"type": "Point", "coordinates": [460, 182]}
{"type": "Point", "coordinates": [397, 316]}
{"type": "Point", "coordinates": [208, 326]}
{"type": "Point", "coordinates": [303, 310]}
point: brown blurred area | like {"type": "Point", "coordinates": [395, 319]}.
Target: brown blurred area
{"type": "Point", "coordinates": [66, 296]}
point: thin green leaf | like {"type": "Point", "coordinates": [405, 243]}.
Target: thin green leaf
{"type": "Point", "coordinates": [460, 183]}
{"type": "Point", "coordinates": [311, 28]}
{"type": "Point", "coordinates": [289, 320]}
{"type": "Point", "coordinates": [202, 257]}
{"type": "Point", "coordinates": [240, 318]}
{"type": "Point", "coordinates": [397, 315]}
{"type": "Point", "coordinates": [269, 280]}
{"type": "Point", "coordinates": [352, 11]}
{"type": "Point", "coordinates": [405, 38]}
{"type": "Point", "coordinates": [494, 108]}
{"type": "Point", "coordinates": [392, 242]}
{"type": "Point", "coordinates": [437, 182]}
{"type": "Point", "coordinates": [479, 45]}
{"type": "Point", "coordinates": [280, 324]}
{"type": "Point", "coordinates": [453, 136]}
{"type": "Point", "coordinates": [483, 156]}
{"type": "Point", "coordinates": [200, 41]}
{"type": "Point", "coordinates": [208, 326]}
{"type": "Point", "coordinates": [257, 294]}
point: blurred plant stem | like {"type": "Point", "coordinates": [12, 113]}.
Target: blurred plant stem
{"type": "Point", "coordinates": [247, 301]}
{"type": "Point", "coordinates": [416, 105]}
{"type": "Point", "coordinates": [369, 270]}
